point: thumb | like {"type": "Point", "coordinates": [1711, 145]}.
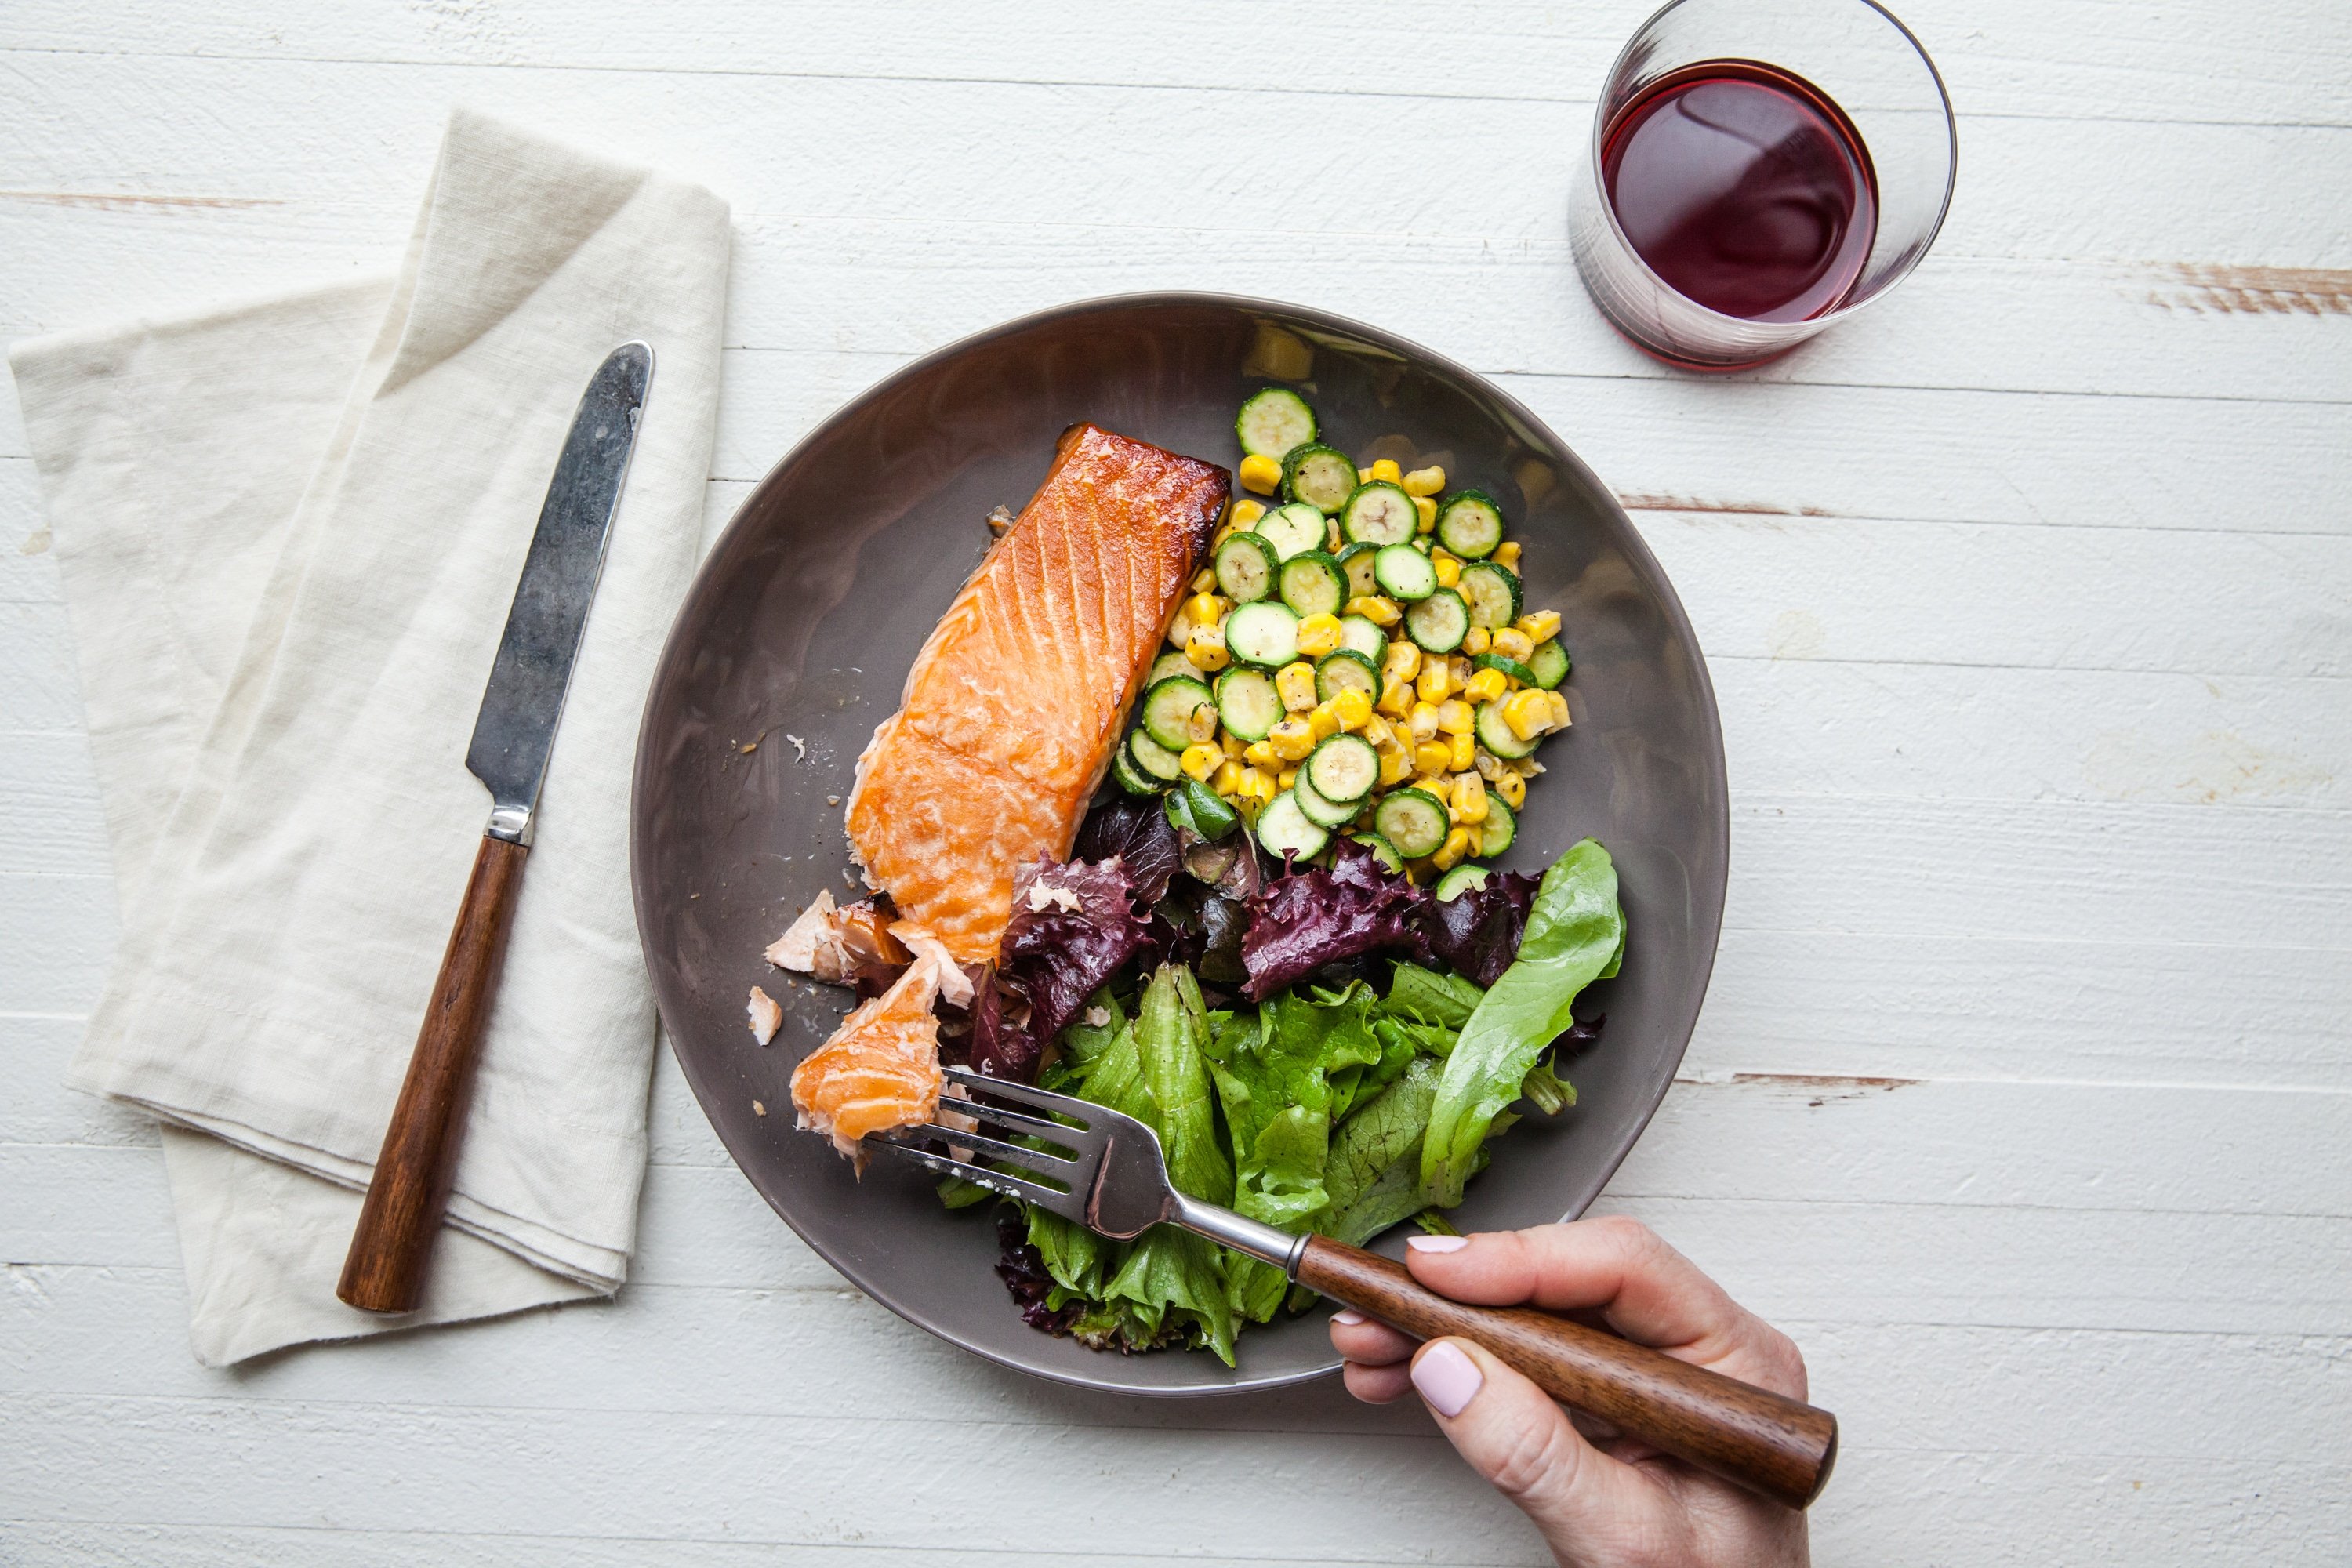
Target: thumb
{"type": "Point", "coordinates": [1587, 1504]}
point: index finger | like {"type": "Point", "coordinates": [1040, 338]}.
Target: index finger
{"type": "Point", "coordinates": [1644, 1289]}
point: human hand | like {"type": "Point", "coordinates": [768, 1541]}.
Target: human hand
{"type": "Point", "coordinates": [1600, 1500]}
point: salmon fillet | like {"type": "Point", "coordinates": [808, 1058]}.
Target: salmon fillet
{"type": "Point", "coordinates": [1013, 705]}
{"type": "Point", "coordinates": [881, 1068]}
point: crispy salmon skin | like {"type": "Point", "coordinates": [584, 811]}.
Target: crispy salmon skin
{"type": "Point", "coordinates": [1013, 706]}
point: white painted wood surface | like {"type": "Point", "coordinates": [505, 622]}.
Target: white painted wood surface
{"type": "Point", "coordinates": [2024, 1095]}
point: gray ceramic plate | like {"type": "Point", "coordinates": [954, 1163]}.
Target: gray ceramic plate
{"type": "Point", "coordinates": [797, 635]}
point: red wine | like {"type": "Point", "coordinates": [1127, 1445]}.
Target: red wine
{"type": "Point", "coordinates": [1744, 187]}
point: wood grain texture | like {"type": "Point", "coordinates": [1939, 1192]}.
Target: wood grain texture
{"type": "Point", "coordinates": [2026, 597]}
{"type": "Point", "coordinates": [1773, 1446]}
{"type": "Point", "coordinates": [392, 1246]}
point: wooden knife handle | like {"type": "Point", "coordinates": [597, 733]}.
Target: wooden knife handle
{"type": "Point", "coordinates": [384, 1270]}
{"type": "Point", "coordinates": [1773, 1446]}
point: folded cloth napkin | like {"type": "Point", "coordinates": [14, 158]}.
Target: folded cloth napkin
{"type": "Point", "coordinates": [288, 533]}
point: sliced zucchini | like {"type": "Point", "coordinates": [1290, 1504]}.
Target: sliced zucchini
{"type": "Point", "coordinates": [1356, 559]}
{"type": "Point", "coordinates": [1383, 851]}
{"type": "Point", "coordinates": [1285, 832]}
{"type": "Point", "coordinates": [1438, 623]}
{"type": "Point", "coordinates": [1470, 524]}
{"type": "Point", "coordinates": [1132, 779]}
{"type": "Point", "coordinates": [1379, 512]}
{"type": "Point", "coordinates": [1413, 820]}
{"type": "Point", "coordinates": [1322, 476]}
{"type": "Point", "coordinates": [1492, 592]}
{"type": "Point", "coordinates": [1496, 734]}
{"type": "Point", "coordinates": [1248, 703]}
{"type": "Point", "coordinates": [1292, 530]}
{"type": "Point", "coordinates": [1265, 634]}
{"type": "Point", "coordinates": [1507, 665]}
{"type": "Point", "coordinates": [1313, 584]}
{"type": "Point", "coordinates": [1361, 635]}
{"type": "Point", "coordinates": [1322, 813]}
{"type": "Point", "coordinates": [1180, 711]}
{"type": "Point", "coordinates": [1404, 572]}
{"type": "Point", "coordinates": [1460, 881]}
{"type": "Point", "coordinates": [1344, 670]}
{"type": "Point", "coordinates": [1343, 770]}
{"type": "Point", "coordinates": [1495, 833]}
{"type": "Point", "coordinates": [1549, 664]}
{"type": "Point", "coordinates": [1154, 760]}
{"type": "Point", "coordinates": [1168, 664]}
{"type": "Point", "coordinates": [1273, 421]}
{"type": "Point", "coordinates": [1246, 564]}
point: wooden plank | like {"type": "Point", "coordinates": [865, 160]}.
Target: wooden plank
{"type": "Point", "coordinates": [2105, 59]}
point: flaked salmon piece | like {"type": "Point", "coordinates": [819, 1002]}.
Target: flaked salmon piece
{"type": "Point", "coordinates": [881, 1067]}
{"type": "Point", "coordinates": [1015, 704]}
{"type": "Point", "coordinates": [842, 946]}
{"type": "Point", "coordinates": [955, 985]}
{"type": "Point", "coordinates": [767, 1016]}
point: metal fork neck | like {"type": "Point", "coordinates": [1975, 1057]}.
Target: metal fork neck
{"type": "Point", "coordinates": [1248, 1236]}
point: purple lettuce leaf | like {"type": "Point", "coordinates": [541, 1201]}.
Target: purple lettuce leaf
{"type": "Point", "coordinates": [1139, 833]}
{"type": "Point", "coordinates": [1477, 930]}
{"type": "Point", "coordinates": [1301, 921]}
{"type": "Point", "coordinates": [1051, 957]}
{"type": "Point", "coordinates": [1022, 1268]}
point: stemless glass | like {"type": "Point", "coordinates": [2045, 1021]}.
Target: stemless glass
{"type": "Point", "coordinates": [1881, 91]}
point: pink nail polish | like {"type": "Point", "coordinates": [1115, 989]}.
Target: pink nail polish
{"type": "Point", "coordinates": [1348, 1315]}
{"type": "Point", "coordinates": [1447, 1379]}
{"type": "Point", "coordinates": [1437, 1243]}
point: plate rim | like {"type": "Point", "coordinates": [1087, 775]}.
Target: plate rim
{"type": "Point", "coordinates": [1637, 546]}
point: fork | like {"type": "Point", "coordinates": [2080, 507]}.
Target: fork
{"type": "Point", "coordinates": [1106, 1171]}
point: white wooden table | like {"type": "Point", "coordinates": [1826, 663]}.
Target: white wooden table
{"type": "Point", "coordinates": [2024, 1095]}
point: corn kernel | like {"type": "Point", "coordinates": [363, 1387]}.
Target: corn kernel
{"type": "Point", "coordinates": [1318, 635]}
{"type": "Point", "coordinates": [1477, 839]}
{"type": "Point", "coordinates": [1422, 722]}
{"type": "Point", "coordinates": [1333, 540]}
{"type": "Point", "coordinates": [1477, 641]}
{"type": "Point", "coordinates": [1512, 643]}
{"type": "Point", "coordinates": [1432, 756]}
{"type": "Point", "coordinates": [1202, 725]}
{"type": "Point", "coordinates": [1287, 777]}
{"type": "Point", "coordinates": [1323, 721]}
{"type": "Point", "coordinates": [1396, 697]}
{"type": "Point", "coordinates": [1228, 779]}
{"type": "Point", "coordinates": [1386, 469]}
{"type": "Point", "coordinates": [1204, 581]}
{"type": "Point", "coordinates": [1457, 844]}
{"type": "Point", "coordinates": [1352, 708]}
{"type": "Point", "coordinates": [1465, 752]}
{"type": "Point", "coordinates": [1207, 609]}
{"type": "Point", "coordinates": [1232, 744]}
{"type": "Point", "coordinates": [1396, 766]}
{"type": "Point", "coordinates": [1513, 789]}
{"type": "Point", "coordinates": [1449, 572]}
{"type": "Point", "coordinates": [1260, 783]}
{"type": "Point", "coordinates": [1455, 716]}
{"type": "Point", "coordinates": [1363, 476]}
{"type": "Point", "coordinates": [1436, 682]}
{"type": "Point", "coordinates": [1206, 649]}
{"type": "Point", "coordinates": [1295, 682]}
{"type": "Point", "coordinates": [1424, 514]}
{"type": "Point", "coordinates": [1292, 738]}
{"type": "Point", "coordinates": [1507, 554]}
{"type": "Point", "coordinates": [1373, 607]}
{"type": "Point", "coordinates": [1376, 729]}
{"type": "Point", "coordinates": [1247, 511]}
{"type": "Point", "coordinates": [1403, 662]}
{"type": "Point", "coordinates": [1200, 760]}
{"type": "Point", "coordinates": [1262, 755]}
{"type": "Point", "coordinates": [1424, 481]}
{"type": "Point", "coordinates": [1463, 670]}
{"type": "Point", "coordinates": [1558, 705]}
{"type": "Point", "coordinates": [1469, 801]}
{"type": "Point", "coordinates": [1528, 714]}
{"type": "Point", "coordinates": [1484, 686]}
{"type": "Point", "coordinates": [1540, 626]}
{"type": "Point", "coordinates": [1260, 474]}
{"type": "Point", "coordinates": [1179, 625]}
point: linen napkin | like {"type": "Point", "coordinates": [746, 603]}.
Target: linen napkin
{"type": "Point", "coordinates": [288, 533]}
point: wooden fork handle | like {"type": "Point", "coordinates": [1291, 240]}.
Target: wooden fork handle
{"type": "Point", "coordinates": [384, 1270]}
{"type": "Point", "coordinates": [1773, 1446]}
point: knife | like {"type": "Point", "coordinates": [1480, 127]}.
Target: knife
{"type": "Point", "coordinates": [384, 1270]}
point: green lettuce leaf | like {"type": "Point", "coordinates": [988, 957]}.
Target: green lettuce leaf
{"type": "Point", "coordinates": [1426, 996]}
{"type": "Point", "coordinates": [1575, 935]}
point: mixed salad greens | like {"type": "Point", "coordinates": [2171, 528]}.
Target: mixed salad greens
{"type": "Point", "coordinates": [1327, 1048]}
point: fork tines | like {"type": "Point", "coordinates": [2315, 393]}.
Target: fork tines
{"type": "Point", "coordinates": [1036, 1167]}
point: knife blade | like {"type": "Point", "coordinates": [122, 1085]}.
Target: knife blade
{"type": "Point", "coordinates": [514, 732]}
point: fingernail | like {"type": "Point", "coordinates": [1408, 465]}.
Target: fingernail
{"type": "Point", "coordinates": [1348, 1315]}
{"type": "Point", "coordinates": [1446, 1378]}
{"type": "Point", "coordinates": [1437, 1243]}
